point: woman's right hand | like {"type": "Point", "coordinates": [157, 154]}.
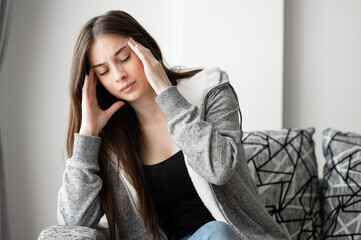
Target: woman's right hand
{"type": "Point", "coordinates": [93, 117]}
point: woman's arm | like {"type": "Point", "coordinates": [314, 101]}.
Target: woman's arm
{"type": "Point", "coordinates": [213, 145]}
{"type": "Point", "coordinates": [78, 198]}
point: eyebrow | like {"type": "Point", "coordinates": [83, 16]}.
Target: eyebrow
{"type": "Point", "coordinates": [115, 54]}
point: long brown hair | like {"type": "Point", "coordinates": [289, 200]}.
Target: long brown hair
{"type": "Point", "coordinates": [122, 135]}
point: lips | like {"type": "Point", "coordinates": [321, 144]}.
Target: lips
{"type": "Point", "coordinates": [126, 86]}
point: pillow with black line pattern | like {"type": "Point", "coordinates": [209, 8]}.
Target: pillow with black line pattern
{"type": "Point", "coordinates": [284, 168]}
{"type": "Point", "coordinates": [342, 185]}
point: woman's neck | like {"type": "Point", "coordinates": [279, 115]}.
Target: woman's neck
{"type": "Point", "coordinates": [147, 109]}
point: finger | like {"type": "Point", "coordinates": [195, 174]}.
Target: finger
{"type": "Point", "coordinates": [137, 48]}
{"type": "Point", "coordinates": [92, 83]}
{"type": "Point", "coordinates": [115, 107]}
{"type": "Point", "coordinates": [85, 84]}
{"type": "Point", "coordinates": [145, 55]}
{"type": "Point", "coordinates": [139, 45]}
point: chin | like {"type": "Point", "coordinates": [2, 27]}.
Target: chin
{"type": "Point", "coordinates": [130, 97]}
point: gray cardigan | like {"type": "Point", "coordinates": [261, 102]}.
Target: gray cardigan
{"type": "Point", "coordinates": [203, 120]}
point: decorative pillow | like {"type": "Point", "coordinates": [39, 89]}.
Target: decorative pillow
{"type": "Point", "coordinates": [284, 168]}
{"type": "Point", "coordinates": [342, 185]}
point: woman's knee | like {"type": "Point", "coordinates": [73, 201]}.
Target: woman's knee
{"type": "Point", "coordinates": [218, 230]}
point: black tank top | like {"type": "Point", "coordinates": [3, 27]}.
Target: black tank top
{"type": "Point", "coordinates": [178, 205]}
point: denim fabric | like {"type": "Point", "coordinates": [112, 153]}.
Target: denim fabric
{"type": "Point", "coordinates": [214, 230]}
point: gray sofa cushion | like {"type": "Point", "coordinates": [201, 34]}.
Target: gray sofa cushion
{"type": "Point", "coordinates": [284, 167]}
{"type": "Point", "coordinates": [342, 185]}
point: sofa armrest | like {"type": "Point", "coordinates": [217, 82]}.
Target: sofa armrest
{"type": "Point", "coordinates": [58, 232]}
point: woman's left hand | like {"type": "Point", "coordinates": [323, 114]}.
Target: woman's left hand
{"type": "Point", "coordinates": [153, 69]}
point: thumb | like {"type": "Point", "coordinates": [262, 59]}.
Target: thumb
{"type": "Point", "coordinates": [115, 107]}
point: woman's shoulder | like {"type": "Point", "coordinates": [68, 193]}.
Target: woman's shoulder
{"type": "Point", "coordinates": [204, 80]}
{"type": "Point", "coordinates": [195, 88]}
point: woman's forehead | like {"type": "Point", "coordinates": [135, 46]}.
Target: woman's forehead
{"type": "Point", "coordinates": [107, 46]}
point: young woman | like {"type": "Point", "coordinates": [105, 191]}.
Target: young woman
{"type": "Point", "coordinates": [157, 150]}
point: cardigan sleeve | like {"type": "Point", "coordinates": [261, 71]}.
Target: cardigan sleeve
{"type": "Point", "coordinates": [78, 198]}
{"type": "Point", "coordinates": [212, 143]}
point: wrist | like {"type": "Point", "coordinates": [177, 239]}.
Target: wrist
{"type": "Point", "coordinates": [88, 132]}
{"type": "Point", "coordinates": [163, 88]}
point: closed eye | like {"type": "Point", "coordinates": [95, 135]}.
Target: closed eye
{"type": "Point", "coordinates": [121, 61]}
{"type": "Point", "coordinates": [125, 59]}
{"type": "Point", "coordinates": [101, 74]}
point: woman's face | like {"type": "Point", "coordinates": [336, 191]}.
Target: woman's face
{"type": "Point", "coordinates": [118, 68]}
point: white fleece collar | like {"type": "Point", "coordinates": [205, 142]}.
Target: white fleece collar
{"type": "Point", "coordinates": [195, 89]}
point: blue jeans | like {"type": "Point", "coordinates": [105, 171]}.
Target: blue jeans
{"type": "Point", "coordinates": [213, 230]}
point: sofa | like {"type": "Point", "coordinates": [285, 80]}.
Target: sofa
{"type": "Point", "coordinates": [283, 165]}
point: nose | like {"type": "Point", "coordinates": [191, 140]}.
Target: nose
{"type": "Point", "coordinates": [120, 74]}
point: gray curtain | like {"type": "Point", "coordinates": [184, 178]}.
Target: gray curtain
{"type": "Point", "coordinates": [4, 228]}
{"type": "Point", "coordinates": [4, 26]}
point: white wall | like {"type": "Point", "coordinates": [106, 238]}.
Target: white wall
{"type": "Point", "coordinates": [244, 38]}
{"type": "Point", "coordinates": [322, 81]}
